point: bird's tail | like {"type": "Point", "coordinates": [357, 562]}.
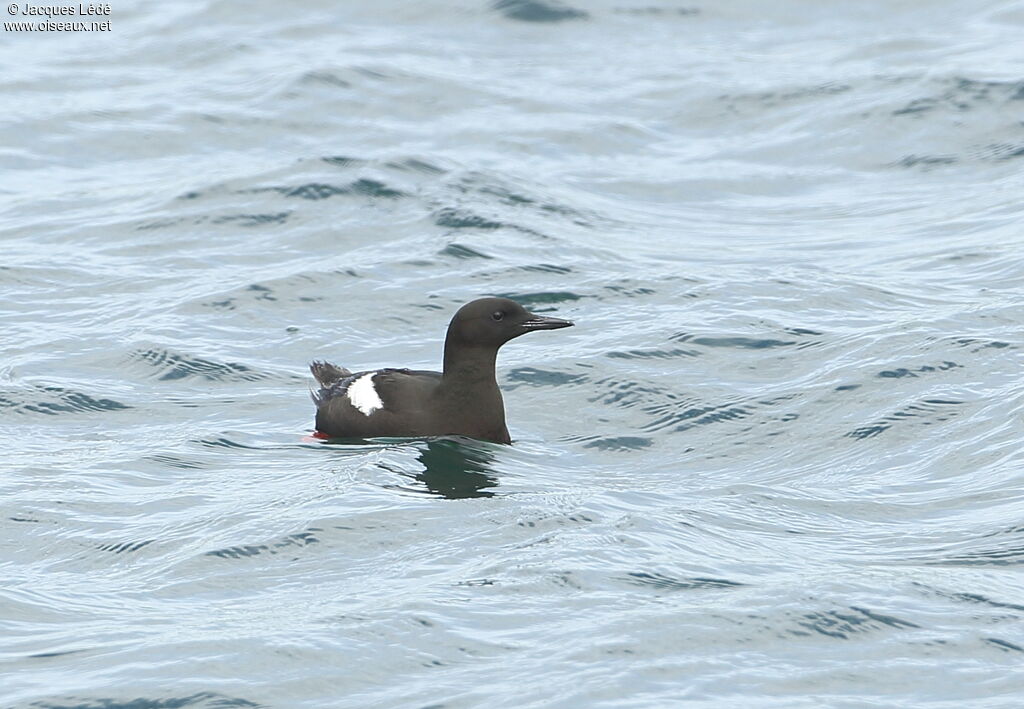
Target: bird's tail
{"type": "Point", "coordinates": [327, 373]}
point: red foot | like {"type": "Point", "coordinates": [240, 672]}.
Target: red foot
{"type": "Point", "coordinates": [316, 436]}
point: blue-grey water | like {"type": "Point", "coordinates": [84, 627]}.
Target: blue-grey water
{"type": "Point", "coordinates": [779, 462]}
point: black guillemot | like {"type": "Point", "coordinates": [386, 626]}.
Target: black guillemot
{"type": "Point", "coordinates": [464, 400]}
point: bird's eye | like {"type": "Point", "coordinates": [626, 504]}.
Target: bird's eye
{"type": "Point", "coordinates": [497, 315]}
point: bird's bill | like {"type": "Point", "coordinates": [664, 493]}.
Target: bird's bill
{"type": "Point", "coordinates": [539, 322]}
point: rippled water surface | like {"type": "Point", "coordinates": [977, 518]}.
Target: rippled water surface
{"type": "Point", "coordinates": [777, 463]}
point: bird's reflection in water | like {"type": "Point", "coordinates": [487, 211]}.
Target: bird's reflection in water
{"type": "Point", "coordinates": [456, 469]}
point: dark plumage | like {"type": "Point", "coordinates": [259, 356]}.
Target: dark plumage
{"type": "Point", "coordinates": [463, 400]}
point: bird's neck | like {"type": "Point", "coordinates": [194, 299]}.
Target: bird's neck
{"type": "Point", "coordinates": [467, 365]}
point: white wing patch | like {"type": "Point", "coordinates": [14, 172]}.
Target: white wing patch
{"type": "Point", "coordinates": [363, 395]}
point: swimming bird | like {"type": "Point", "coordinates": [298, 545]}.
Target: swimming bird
{"type": "Point", "coordinates": [462, 400]}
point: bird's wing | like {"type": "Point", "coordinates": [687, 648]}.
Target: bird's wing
{"type": "Point", "coordinates": [399, 388]}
